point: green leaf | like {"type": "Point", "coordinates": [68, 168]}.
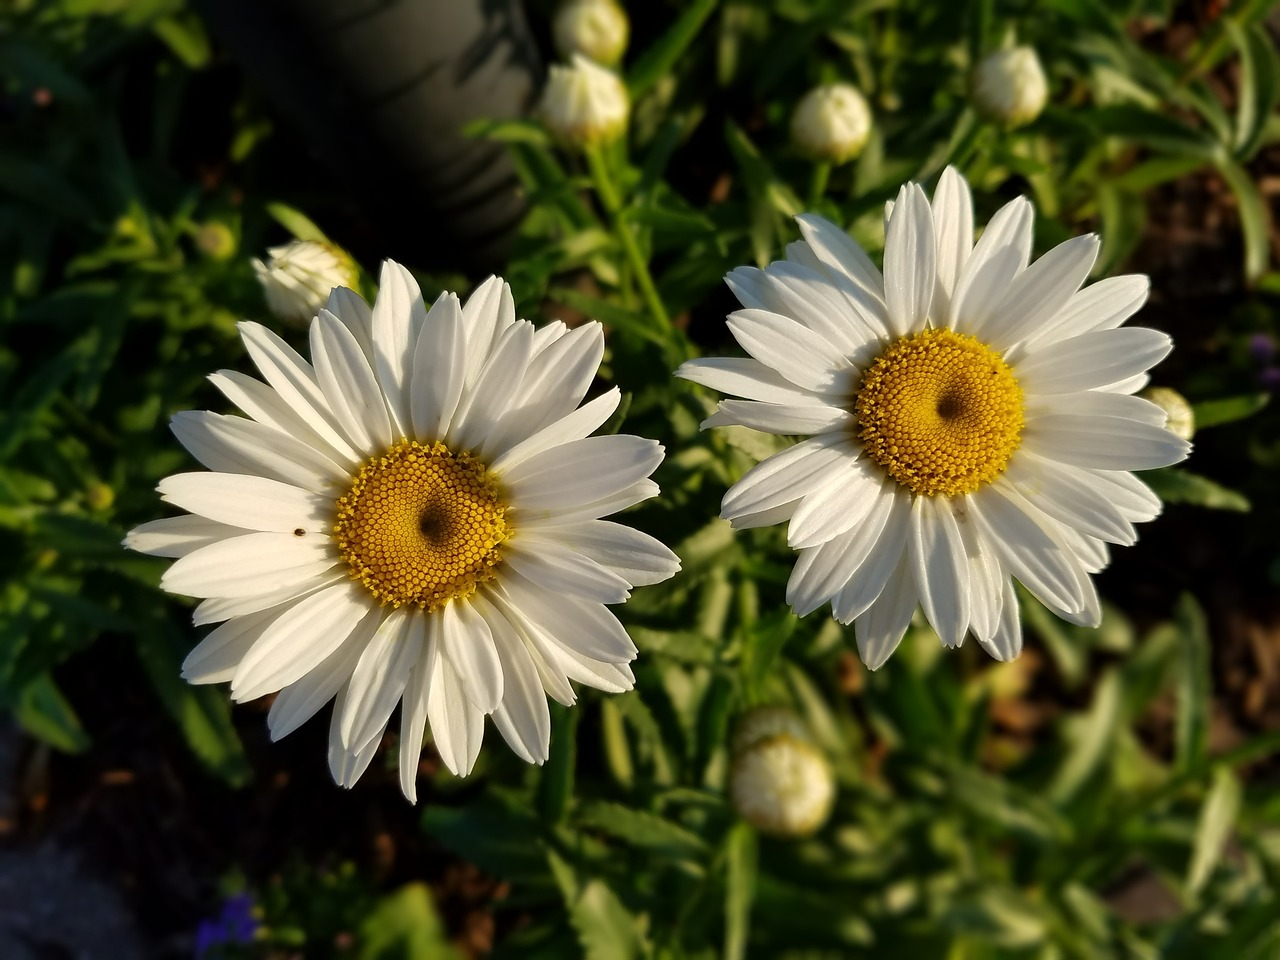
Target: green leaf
{"type": "Point", "coordinates": [404, 926]}
{"type": "Point", "coordinates": [741, 856]}
{"type": "Point", "coordinates": [41, 185]}
{"type": "Point", "coordinates": [1217, 818]}
{"type": "Point", "coordinates": [1176, 485]}
{"type": "Point", "coordinates": [184, 35]}
{"type": "Point", "coordinates": [43, 711]}
{"type": "Point", "coordinates": [1214, 413]}
{"type": "Point", "coordinates": [498, 835]}
{"type": "Point", "coordinates": [555, 784]}
{"type": "Point", "coordinates": [1191, 730]}
{"type": "Point", "coordinates": [1259, 84]}
{"type": "Point", "coordinates": [296, 222]}
{"type": "Point", "coordinates": [1091, 740]}
{"type": "Point", "coordinates": [1255, 218]}
{"type": "Point", "coordinates": [667, 50]}
{"type": "Point", "coordinates": [641, 829]}
{"type": "Point", "coordinates": [1124, 217]}
{"type": "Point", "coordinates": [510, 131]}
{"type": "Point", "coordinates": [604, 927]}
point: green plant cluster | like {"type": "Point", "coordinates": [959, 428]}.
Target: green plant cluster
{"type": "Point", "coordinates": [955, 834]}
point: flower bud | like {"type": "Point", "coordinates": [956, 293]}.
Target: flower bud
{"type": "Point", "coordinates": [1009, 86]}
{"type": "Point", "coordinates": [298, 277]}
{"type": "Point", "coordinates": [215, 240]}
{"type": "Point", "coordinates": [831, 123]}
{"type": "Point", "coordinates": [584, 103]}
{"type": "Point", "coordinates": [778, 781]}
{"type": "Point", "coordinates": [594, 28]}
{"type": "Point", "coordinates": [1182, 419]}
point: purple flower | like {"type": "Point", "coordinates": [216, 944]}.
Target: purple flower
{"type": "Point", "coordinates": [235, 924]}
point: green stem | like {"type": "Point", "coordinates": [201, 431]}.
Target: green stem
{"type": "Point", "coordinates": [818, 182]}
{"type": "Point", "coordinates": [613, 205]}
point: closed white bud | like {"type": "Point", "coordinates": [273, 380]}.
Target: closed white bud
{"type": "Point", "coordinates": [594, 28]}
{"type": "Point", "coordinates": [584, 103]}
{"type": "Point", "coordinates": [1182, 419]}
{"type": "Point", "coordinates": [831, 123]}
{"type": "Point", "coordinates": [298, 277]}
{"type": "Point", "coordinates": [778, 781]}
{"type": "Point", "coordinates": [1009, 86]}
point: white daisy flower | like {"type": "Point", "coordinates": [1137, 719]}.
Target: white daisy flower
{"type": "Point", "coordinates": [415, 517]}
{"type": "Point", "coordinates": [584, 104]}
{"type": "Point", "coordinates": [969, 417]}
{"type": "Point", "coordinates": [298, 277]}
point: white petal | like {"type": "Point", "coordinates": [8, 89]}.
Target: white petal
{"type": "Point", "coordinates": [581, 471]}
{"type": "Point", "coordinates": [457, 726]}
{"type": "Point", "coordinates": [1000, 254]}
{"type": "Point", "coordinates": [468, 646]}
{"type": "Point", "coordinates": [953, 224]}
{"type": "Point", "coordinates": [522, 717]}
{"type": "Point", "coordinates": [1132, 497]}
{"type": "Point", "coordinates": [216, 609]}
{"type": "Point", "coordinates": [380, 676]}
{"type": "Point", "coordinates": [1006, 644]}
{"type": "Point", "coordinates": [1092, 360]}
{"type": "Point", "coordinates": [349, 307]}
{"type": "Point", "coordinates": [295, 382]}
{"type": "Point", "coordinates": [637, 557]}
{"type": "Point", "coordinates": [556, 380]}
{"type": "Point", "coordinates": [536, 643]}
{"type": "Point", "coordinates": [941, 568]}
{"type": "Point", "coordinates": [216, 658]}
{"type": "Point", "coordinates": [398, 314]}
{"type": "Point", "coordinates": [299, 640]}
{"type": "Point", "coordinates": [843, 499]}
{"type": "Point", "coordinates": [574, 426]}
{"type": "Point", "coordinates": [592, 510]}
{"type": "Point", "coordinates": [1101, 306]}
{"type": "Point", "coordinates": [249, 502]}
{"type": "Point", "coordinates": [1041, 291]}
{"type": "Point", "coordinates": [252, 564]}
{"type": "Point", "coordinates": [484, 403]}
{"type": "Point", "coordinates": [562, 571]}
{"type": "Point", "coordinates": [349, 385]}
{"type": "Point", "coordinates": [177, 536]}
{"type": "Point", "coordinates": [485, 315]}
{"type": "Point", "coordinates": [236, 445]}
{"type": "Point", "coordinates": [837, 250]}
{"type": "Point", "coordinates": [301, 700]}
{"type": "Point", "coordinates": [820, 572]}
{"type": "Point", "coordinates": [986, 577]}
{"type": "Point", "coordinates": [787, 476]}
{"type": "Point", "coordinates": [1103, 443]}
{"type": "Point", "coordinates": [802, 356]}
{"type": "Point", "coordinates": [347, 767]}
{"type": "Point", "coordinates": [263, 404]}
{"type": "Point", "coordinates": [439, 369]}
{"type": "Point", "coordinates": [812, 298]}
{"type": "Point", "coordinates": [744, 377]}
{"type": "Point", "coordinates": [1096, 403]}
{"type": "Point", "coordinates": [778, 418]}
{"type": "Point", "coordinates": [880, 629]}
{"type": "Point", "coordinates": [880, 563]}
{"type": "Point", "coordinates": [413, 723]}
{"type": "Point", "coordinates": [589, 628]}
{"type": "Point", "coordinates": [910, 261]}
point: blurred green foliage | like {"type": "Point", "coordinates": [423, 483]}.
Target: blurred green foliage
{"type": "Point", "coordinates": [954, 835]}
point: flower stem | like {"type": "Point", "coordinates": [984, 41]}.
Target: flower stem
{"type": "Point", "coordinates": [613, 205]}
{"type": "Point", "coordinates": [818, 182]}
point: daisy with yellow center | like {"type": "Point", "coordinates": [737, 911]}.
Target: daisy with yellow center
{"type": "Point", "coordinates": [969, 417]}
{"type": "Point", "coordinates": [414, 517]}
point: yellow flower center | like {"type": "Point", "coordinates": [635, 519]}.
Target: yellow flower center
{"type": "Point", "coordinates": [941, 412]}
{"type": "Point", "coordinates": [421, 525]}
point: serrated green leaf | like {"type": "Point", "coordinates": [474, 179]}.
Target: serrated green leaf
{"type": "Point", "coordinates": [642, 829]}
{"type": "Point", "coordinates": [1217, 820]}
{"type": "Point", "coordinates": [404, 926]}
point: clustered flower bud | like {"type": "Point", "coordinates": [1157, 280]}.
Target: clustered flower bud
{"type": "Point", "coordinates": [597, 29]}
{"type": "Point", "coordinates": [584, 104]}
{"type": "Point", "coordinates": [298, 277]}
{"type": "Point", "coordinates": [1182, 419]}
{"type": "Point", "coordinates": [1009, 86]}
{"type": "Point", "coordinates": [779, 782]}
{"type": "Point", "coordinates": [831, 123]}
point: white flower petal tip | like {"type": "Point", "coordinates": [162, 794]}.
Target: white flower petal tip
{"type": "Point", "coordinates": [414, 517]}
{"type": "Point", "coordinates": [967, 416]}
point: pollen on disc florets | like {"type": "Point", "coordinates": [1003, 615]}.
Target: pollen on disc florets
{"type": "Point", "coordinates": [421, 525]}
{"type": "Point", "coordinates": [941, 412]}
